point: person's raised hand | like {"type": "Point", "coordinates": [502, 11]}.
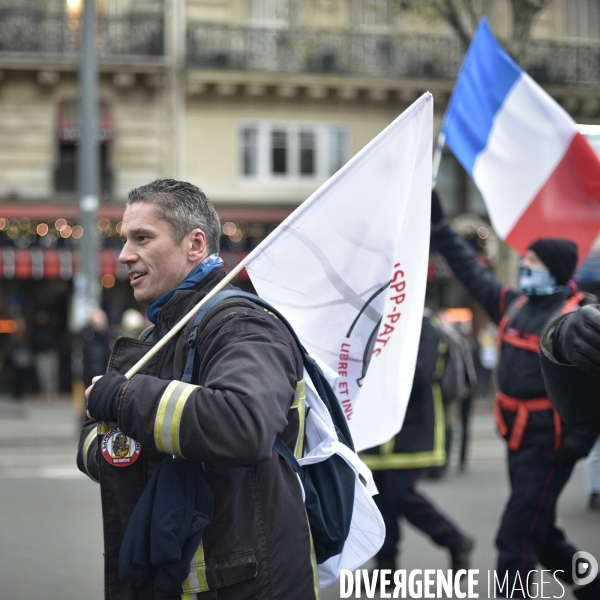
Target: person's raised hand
{"type": "Point", "coordinates": [578, 338]}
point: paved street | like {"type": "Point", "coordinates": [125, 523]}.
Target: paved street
{"type": "Point", "coordinates": [50, 523]}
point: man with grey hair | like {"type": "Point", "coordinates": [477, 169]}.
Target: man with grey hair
{"type": "Point", "coordinates": [247, 390]}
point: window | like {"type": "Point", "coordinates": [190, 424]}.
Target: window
{"type": "Point", "coordinates": [307, 153]}
{"type": "Point", "coordinates": [337, 149]}
{"type": "Point", "coordinates": [249, 151]}
{"type": "Point", "coordinates": [279, 152]}
{"type": "Point", "coordinates": [291, 152]}
{"type": "Point", "coordinates": [583, 19]}
{"type": "Point", "coordinates": [373, 14]}
{"type": "Point", "coordinates": [65, 172]}
{"type": "Point", "coordinates": [269, 13]}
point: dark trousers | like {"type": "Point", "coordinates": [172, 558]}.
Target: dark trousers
{"type": "Point", "coordinates": [528, 534]}
{"type": "Point", "coordinates": [398, 498]}
{"type": "Point", "coordinates": [20, 381]}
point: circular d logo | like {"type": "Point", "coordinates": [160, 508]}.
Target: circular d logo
{"type": "Point", "coordinates": [585, 568]}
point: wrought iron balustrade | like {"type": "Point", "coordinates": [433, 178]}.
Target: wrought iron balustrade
{"type": "Point", "coordinates": [215, 46]}
{"type": "Point", "coordinates": [58, 36]}
{"type": "Point", "coordinates": [303, 51]}
{"type": "Point", "coordinates": [563, 63]}
{"type": "Point", "coordinates": [212, 46]}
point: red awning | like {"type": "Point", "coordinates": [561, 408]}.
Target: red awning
{"type": "Point", "coordinates": [268, 215]}
{"type": "Point", "coordinates": [52, 263]}
{"type": "Point", "coordinates": [48, 212]}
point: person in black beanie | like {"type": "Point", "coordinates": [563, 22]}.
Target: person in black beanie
{"type": "Point", "coordinates": [560, 256]}
{"type": "Point", "coordinates": [542, 449]}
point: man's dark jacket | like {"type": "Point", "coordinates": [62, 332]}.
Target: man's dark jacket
{"type": "Point", "coordinates": [249, 392]}
{"type": "Point", "coordinates": [575, 393]}
{"type": "Point", "coordinates": [519, 371]}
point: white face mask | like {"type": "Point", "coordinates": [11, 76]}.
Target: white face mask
{"type": "Point", "coordinates": [538, 281]}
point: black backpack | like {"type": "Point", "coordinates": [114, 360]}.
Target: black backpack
{"type": "Point", "coordinates": [328, 485]}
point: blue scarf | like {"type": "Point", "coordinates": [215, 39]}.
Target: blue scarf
{"type": "Point", "coordinates": [208, 265]}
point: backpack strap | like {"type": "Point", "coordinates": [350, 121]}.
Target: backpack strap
{"type": "Point", "coordinates": [188, 371]}
{"type": "Point", "coordinates": [282, 448]}
{"type": "Point", "coordinates": [324, 390]}
{"type": "Point", "coordinates": [575, 300]}
{"type": "Point", "coordinates": [530, 342]}
{"type": "Point", "coordinates": [511, 312]}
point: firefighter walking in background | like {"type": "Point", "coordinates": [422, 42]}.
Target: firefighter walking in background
{"type": "Point", "coordinates": [542, 450]}
{"type": "Point", "coordinates": [419, 444]}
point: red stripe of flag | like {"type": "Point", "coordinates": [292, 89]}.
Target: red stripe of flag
{"type": "Point", "coordinates": [568, 205]}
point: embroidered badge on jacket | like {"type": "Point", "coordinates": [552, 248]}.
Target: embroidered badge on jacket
{"type": "Point", "coordinates": [118, 449]}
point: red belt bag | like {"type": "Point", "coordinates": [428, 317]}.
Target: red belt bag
{"type": "Point", "coordinates": [522, 408]}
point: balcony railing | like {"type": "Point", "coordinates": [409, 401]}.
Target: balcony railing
{"type": "Point", "coordinates": [300, 51]}
{"type": "Point", "coordinates": [139, 37]}
{"type": "Point", "coordinates": [56, 36]}
{"type": "Point", "coordinates": [563, 63]}
{"type": "Point", "coordinates": [211, 46]}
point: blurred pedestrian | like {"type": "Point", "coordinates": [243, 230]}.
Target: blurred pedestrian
{"type": "Point", "coordinates": [487, 353]}
{"type": "Point", "coordinates": [133, 323]}
{"type": "Point", "coordinates": [465, 400]}
{"type": "Point", "coordinates": [420, 443]}
{"type": "Point", "coordinates": [21, 358]}
{"type": "Point", "coordinates": [45, 352]}
{"type": "Point", "coordinates": [97, 346]}
{"type": "Point", "coordinates": [461, 369]}
{"type": "Point", "coordinates": [542, 450]}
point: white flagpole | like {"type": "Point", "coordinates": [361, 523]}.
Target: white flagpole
{"type": "Point", "coordinates": [140, 363]}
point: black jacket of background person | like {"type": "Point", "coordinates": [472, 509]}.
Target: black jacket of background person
{"type": "Point", "coordinates": [574, 392]}
{"type": "Point", "coordinates": [519, 371]}
{"type": "Point", "coordinates": [420, 442]}
{"type": "Point", "coordinates": [96, 353]}
{"type": "Point", "coordinates": [249, 392]}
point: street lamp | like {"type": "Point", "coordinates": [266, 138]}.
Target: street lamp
{"type": "Point", "coordinates": [87, 283]}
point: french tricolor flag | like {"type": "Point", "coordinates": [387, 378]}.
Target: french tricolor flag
{"type": "Point", "coordinates": [538, 175]}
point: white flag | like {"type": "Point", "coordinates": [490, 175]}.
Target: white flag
{"type": "Point", "coordinates": [348, 269]}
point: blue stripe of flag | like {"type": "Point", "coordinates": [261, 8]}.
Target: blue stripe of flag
{"type": "Point", "coordinates": [486, 77]}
